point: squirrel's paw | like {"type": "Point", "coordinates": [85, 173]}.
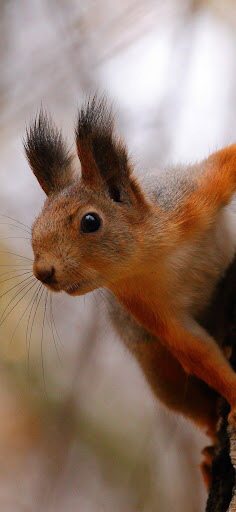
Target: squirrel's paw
{"type": "Point", "coordinates": [206, 466]}
{"type": "Point", "coordinates": [206, 473]}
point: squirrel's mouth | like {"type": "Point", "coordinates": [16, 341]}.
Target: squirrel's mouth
{"type": "Point", "coordinates": [73, 288]}
{"type": "Point", "coordinates": [78, 288]}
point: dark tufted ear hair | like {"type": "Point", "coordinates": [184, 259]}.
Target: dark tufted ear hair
{"type": "Point", "coordinates": [47, 154]}
{"type": "Point", "coordinates": [103, 157]}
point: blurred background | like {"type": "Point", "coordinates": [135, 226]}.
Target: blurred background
{"type": "Point", "coordinates": [79, 428]}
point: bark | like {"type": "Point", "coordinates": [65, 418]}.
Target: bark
{"type": "Point", "coordinates": [222, 493]}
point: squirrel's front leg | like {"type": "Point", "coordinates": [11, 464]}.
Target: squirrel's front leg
{"type": "Point", "coordinates": [200, 355]}
{"type": "Point", "coordinates": [194, 348]}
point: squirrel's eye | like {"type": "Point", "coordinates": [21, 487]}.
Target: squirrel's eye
{"type": "Point", "coordinates": [90, 223]}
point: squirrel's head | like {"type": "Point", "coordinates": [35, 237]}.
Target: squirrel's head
{"type": "Point", "coordinates": [91, 227]}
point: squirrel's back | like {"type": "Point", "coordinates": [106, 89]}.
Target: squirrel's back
{"type": "Point", "coordinates": [167, 187]}
{"type": "Point", "coordinates": [200, 262]}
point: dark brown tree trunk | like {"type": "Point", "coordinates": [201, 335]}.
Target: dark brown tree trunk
{"type": "Point", "coordinates": [222, 494]}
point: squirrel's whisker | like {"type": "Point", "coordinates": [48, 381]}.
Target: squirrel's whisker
{"type": "Point", "coordinates": [41, 343]}
{"type": "Point", "coordinates": [23, 288]}
{"type": "Point", "coordinates": [105, 298]}
{"type": "Point", "coordinates": [51, 327]}
{"type": "Point", "coordinates": [14, 226]}
{"type": "Point", "coordinates": [32, 305]}
{"type": "Point", "coordinates": [41, 289]}
{"type": "Point", "coordinates": [10, 271]}
{"type": "Point", "coordinates": [53, 321]}
{"type": "Point", "coordinates": [8, 237]}
{"type": "Point", "coordinates": [18, 284]}
{"type": "Point", "coordinates": [107, 295]}
{"type": "Point", "coordinates": [76, 273]}
{"type": "Point", "coordinates": [15, 277]}
{"type": "Point", "coordinates": [95, 298]}
{"type": "Point", "coordinates": [26, 309]}
{"type": "Point", "coordinates": [15, 220]}
{"type": "Point", "coordinates": [14, 265]}
{"type": "Point", "coordinates": [18, 255]}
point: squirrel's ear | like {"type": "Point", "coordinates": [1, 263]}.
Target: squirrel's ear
{"type": "Point", "coordinates": [47, 154]}
{"type": "Point", "coordinates": [104, 159]}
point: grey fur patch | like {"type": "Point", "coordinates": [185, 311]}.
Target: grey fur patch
{"type": "Point", "coordinates": [167, 187]}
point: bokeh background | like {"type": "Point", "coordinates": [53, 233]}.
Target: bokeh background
{"type": "Point", "coordinates": [79, 427]}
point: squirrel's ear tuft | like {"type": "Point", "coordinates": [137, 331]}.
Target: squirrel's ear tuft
{"type": "Point", "coordinates": [47, 154]}
{"type": "Point", "coordinates": [103, 157]}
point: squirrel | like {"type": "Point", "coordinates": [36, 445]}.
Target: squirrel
{"type": "Point", "coordinates": [160, 244]}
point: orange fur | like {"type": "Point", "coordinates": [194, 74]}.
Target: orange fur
{"type": "Point", "coordinates": [215, 189]}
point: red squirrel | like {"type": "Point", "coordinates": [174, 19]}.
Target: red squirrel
{"type": "Point", "coordinates": [160, 244]}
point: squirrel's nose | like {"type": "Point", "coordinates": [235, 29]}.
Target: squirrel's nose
{"type": "Point", "coordinates": [44, 274]}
